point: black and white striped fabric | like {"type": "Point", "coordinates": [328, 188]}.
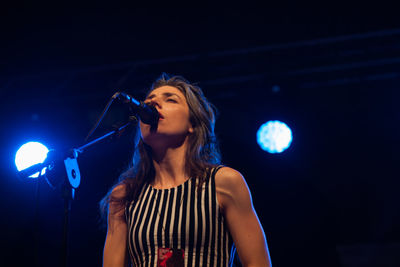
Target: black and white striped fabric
{"type": "Point", "coordinates": [182, 218]}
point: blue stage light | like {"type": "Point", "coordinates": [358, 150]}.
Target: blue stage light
{"type": "Point", "coordinates": [274, 136]}
{"type": "Point", "coordinates": [30, 154]}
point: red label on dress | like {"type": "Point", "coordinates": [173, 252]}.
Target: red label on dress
{"type": "Point", "coordinates": [170, 257]}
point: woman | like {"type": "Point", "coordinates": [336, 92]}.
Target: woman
{"type": "Point", "coordinates": [176, 201]}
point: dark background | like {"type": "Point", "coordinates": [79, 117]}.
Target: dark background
{"type": "Point", "coordinates": [330, 71]}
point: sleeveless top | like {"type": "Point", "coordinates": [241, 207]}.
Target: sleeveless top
{"type": "Point", "coordinates": [183, 222]}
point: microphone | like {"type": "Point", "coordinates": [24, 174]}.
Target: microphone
{"type": "Point", "coordinates": [147, 114]}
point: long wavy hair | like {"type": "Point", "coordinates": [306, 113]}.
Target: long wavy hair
{"type": "Point", "coordinates": [202, 151]}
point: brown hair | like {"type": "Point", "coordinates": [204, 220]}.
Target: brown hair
{"type": "Point", "coordinates": [201, 155]}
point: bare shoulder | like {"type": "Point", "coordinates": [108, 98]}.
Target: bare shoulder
{"type": "Point", "coordinates": [116, 203]}
{"type": "Point", "coordinates": [229, 179]}
{"type": "Point", "coordinates": [119, 191]}
{"type": "Point", "coordinates": [232, 189]}
{"type": "Point", "coordinates": [117, 195]}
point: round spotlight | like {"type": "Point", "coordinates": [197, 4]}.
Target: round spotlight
{"type": "Point", "coordinates": [30, 154]}
{"type": "Point", "coordinates": [274, 136]}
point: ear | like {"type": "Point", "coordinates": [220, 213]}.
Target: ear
{"type": "Point", "coordinates": [190, 130]}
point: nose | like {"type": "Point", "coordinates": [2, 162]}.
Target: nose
{"type": "Point", "coordinates": [155, 103]}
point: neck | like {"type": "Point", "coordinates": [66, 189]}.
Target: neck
{"type": "Point", "coordinates": [169, 165]}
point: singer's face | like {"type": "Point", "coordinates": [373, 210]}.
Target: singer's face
{"type": "Point", "coordinates": [173, 125]}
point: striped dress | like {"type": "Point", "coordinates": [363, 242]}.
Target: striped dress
{"type": "Point", "coordinates": [182, 223]}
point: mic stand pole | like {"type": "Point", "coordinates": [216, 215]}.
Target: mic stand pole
{"type": "Point", "coordinates": [67, 194]}
{"type": "Point", "coordinates": [72, 181]}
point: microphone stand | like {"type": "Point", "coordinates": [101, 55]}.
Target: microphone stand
{"type": "Point", "coordinates": [70, 182]}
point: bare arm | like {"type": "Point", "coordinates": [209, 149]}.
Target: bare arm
{"type": "Point", "coordinates": [235, 201]}
{"type": "Point", "coordinates": [115, 251]}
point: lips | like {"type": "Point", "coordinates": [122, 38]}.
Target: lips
{"type": "Point", "coordinates": [160, 116]}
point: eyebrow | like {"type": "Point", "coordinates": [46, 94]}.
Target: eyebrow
{"type": "Point", "coordinates": [166, 94]}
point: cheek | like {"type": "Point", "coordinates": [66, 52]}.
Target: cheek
{"type": "Point", "coordinates": [183, 121]}
{"type": "Point", "coordinates": [182, 115]}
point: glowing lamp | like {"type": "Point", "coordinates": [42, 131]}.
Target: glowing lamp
{"type": "Point", "coordinates": [274, 136]}
{"type": "Point", "coordinates": [30, 154]}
